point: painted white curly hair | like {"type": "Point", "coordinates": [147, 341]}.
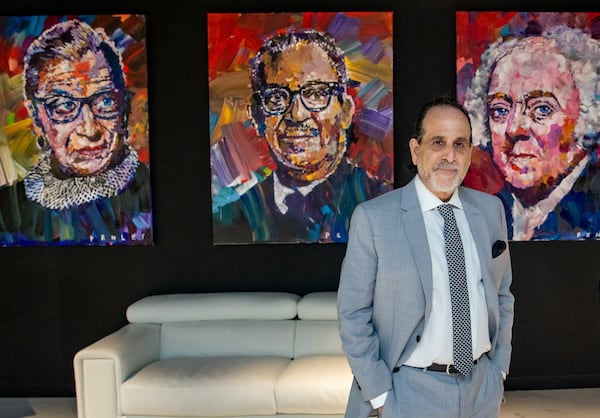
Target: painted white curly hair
{"type": "Point", "coordinates": [583, 54]}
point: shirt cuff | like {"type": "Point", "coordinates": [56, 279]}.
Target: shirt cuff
{"type": "Point", "coordinates": [503, 375]}
{"type": "Point", "coordinates": [379, 401]}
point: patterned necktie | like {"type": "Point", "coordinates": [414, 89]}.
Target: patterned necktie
{"type": "Point", "coordinates": [459, 293]}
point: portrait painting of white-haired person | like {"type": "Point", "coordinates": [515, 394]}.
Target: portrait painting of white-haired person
{"type": "Point", "coordinates": [534, 102]}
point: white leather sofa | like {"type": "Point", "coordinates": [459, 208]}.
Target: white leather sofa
{"type": "Point", "coordinates": [244, 354]}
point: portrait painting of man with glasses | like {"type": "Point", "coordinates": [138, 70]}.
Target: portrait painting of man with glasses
{"type": "Point", "coordinates": [301, 105]}
{"type": "Point", "coordinates": [87, 184]}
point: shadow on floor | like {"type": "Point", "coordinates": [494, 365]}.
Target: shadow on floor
{"type": "Point", "coordinates": [16, 408]}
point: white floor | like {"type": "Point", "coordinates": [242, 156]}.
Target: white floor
{"type": "Point", "coordinates": [560, 403]}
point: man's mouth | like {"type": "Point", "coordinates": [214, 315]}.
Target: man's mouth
{"type": "Point", "coordinates": [295, 133]}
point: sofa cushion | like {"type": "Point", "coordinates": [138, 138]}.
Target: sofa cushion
{"type": "Point", "coordinates": [218, 338]}
{"type": "Point", "coordinates": [199, 306]}
{"type": "Point", "coordinates": [314, 385]}
{"type": "Point", "coordinates": [317, 338]}
{"type": "Point", "coordinates": [217, 386]}
{"type": "Point", "coordinates": [318, 305]}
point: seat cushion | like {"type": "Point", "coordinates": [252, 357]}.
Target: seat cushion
{"type": "Point", "coordinates": [204, 386]}
{"type": "Point", "coordinates": [314, 384]}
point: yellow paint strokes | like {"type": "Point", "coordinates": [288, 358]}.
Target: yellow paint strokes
{"type": "Point", "coordinates": [364, 70]}
{"type": "Point", "coordinates": [233, 110]}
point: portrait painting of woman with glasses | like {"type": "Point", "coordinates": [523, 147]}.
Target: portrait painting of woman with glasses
{"type": "Point", "coordinates": [301, 105]}
{"type": "Point", "coordinates": [87, 185]}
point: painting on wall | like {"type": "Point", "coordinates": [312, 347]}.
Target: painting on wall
{"type": "Point", "coordinates": [74, 161]}
{"type": "Point", "coordinates": [531, 84]}
{"type": "Point", "coordinates": [301, 128]}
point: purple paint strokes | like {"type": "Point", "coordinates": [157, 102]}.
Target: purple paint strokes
{"type": "Point", "coordinates": [234, 158]}
{"type": "Point", "coordinates": [219, 156]}
{"type": "Point", "coordinates": [344, 27]}
{"type": "Point", "coordinates": [373, 50]}
{"type": "Point", "coordinates": [375, 124]}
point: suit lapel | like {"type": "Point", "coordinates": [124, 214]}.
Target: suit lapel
{"type": "Point", "coordinates": [414, 226]}
{"type": "Point", "coordinates": [480, 232]}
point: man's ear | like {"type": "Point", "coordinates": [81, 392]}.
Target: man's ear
{"type": "Point", "coordinates": [348, 108]}
{"type": "Point", "coordinates": [413, 144]}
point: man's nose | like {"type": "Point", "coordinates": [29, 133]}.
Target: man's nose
{"type": "Point", "coordinates": [297, 110]}
{"type": "Point", "coordinates": [517, 128]}
{"type": "Point", "coordinates": [450, 153]}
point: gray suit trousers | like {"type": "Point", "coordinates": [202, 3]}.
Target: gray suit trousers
{"type": "Point", "coordinates": [419, 393]}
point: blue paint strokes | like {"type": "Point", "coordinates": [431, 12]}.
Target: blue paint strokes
{"type": "Point", "coordinates": [121, 39]}
{"type": "Point", "coordinates": [372, 93]}
{"type": "Point", "coordinates": [222, 196]}
{"type": "Point", "coordinates": [254, 210]}
{"type": "Point", "coordinates": [213, 119]}
{"type": "Point", "coordinates": [350, 48]}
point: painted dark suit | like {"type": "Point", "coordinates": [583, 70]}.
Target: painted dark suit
{"type": "Point", "coordinates": [320, 216]}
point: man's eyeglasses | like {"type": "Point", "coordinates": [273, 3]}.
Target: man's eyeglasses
{"type": "Point", "coordinates": [62, 108]}
{"type": "Point", "coordinates": [276, 100]}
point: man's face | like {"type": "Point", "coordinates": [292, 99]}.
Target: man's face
{"type": "Point", "coordinates": [305, 122]}
{"type": "Point", "coordinates": [444, 154]}
{"type": "Point", "coordinates": [533, 106]}
{"type": "Point", "coordinates": [80, 113]}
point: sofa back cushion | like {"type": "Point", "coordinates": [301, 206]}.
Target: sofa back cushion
{"type": "Point", "coordinates": [204, 306]}
{"type": "Point", "coordinates": [317, 329]}
{"type": "Point", "coordinates": [319, 306]}
{"type": "Point", "coordinates": [228, 337]}
{"type": "Point", "coordinates": [315, 338]}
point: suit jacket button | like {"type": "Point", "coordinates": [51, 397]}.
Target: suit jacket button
{"type": "Point", "coordinates": [418, 338]}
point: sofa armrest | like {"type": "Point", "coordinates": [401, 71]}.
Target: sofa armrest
{"type": "Point", "coordinates": [101, 367]}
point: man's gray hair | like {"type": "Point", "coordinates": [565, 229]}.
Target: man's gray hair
{"type": "Point", "coordinates": [583, 54]}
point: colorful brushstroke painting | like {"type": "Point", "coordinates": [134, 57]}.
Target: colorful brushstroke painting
{"type": "Point", "coordinates": [531, 84]}
{"type": "Point", "coordinates": [74, 161]}
{"type": "Point", "coordinates": [301, 115]}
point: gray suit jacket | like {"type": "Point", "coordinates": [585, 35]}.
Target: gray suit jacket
{"type": "Point", "coordinates": [386, 286]}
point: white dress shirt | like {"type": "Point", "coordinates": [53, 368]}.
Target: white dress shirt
{"type": "Point", "coordinates": [435, 345]}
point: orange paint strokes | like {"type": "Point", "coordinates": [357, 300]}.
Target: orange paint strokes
{"type": "Point", "coordinates": [82, 66]}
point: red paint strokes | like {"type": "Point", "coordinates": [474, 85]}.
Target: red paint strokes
{"type": "Point", "coordinates": [483, 174]}
{"type": "Point", "coordinates": [476, 30]}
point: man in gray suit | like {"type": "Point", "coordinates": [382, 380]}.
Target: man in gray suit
{"type": "Point", "coordinates": [394, 299]}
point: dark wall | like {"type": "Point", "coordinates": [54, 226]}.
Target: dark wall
{"type": "Point", "coordinates": [57, 300]}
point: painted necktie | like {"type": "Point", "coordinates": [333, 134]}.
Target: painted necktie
{"type": "Point", "coordinates": [459, 293]}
